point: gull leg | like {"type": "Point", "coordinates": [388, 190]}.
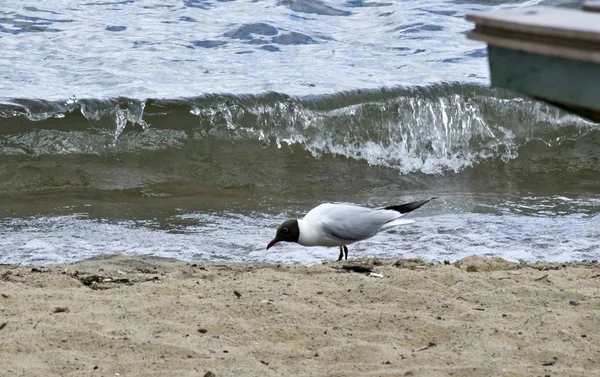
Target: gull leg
{"type": "Point", "coordinates": [345, 251]}
{"type": "Point", "coordinates": [341, 254]}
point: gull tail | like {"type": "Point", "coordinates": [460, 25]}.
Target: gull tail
{"type": "Point", "coordinates": [409, 207]}
{"type": "Point", "coordinates": [395, 223]}
{"type": "Point", "coordinates": [404, 208]}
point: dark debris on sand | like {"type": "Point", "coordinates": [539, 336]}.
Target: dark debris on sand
{"type": "Point", "coordinates": [97, 282]}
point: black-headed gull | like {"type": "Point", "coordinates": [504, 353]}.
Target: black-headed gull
{"type": "Point", "coordinates": [339, 225]}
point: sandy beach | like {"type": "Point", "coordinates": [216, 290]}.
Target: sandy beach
{"type": "Point", "coordinates": [146, 316]}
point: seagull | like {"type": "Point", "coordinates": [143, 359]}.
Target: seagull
{"type": "Point", "coordinates": [336, 224]}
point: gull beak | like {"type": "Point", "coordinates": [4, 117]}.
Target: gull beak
{"type": "Point", "coordinates": [275, 240]}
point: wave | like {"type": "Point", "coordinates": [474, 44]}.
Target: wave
{"type": "Point", "coordinates": [430, 130]}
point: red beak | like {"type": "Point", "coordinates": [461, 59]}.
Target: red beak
{"type": "Point", "coordinates": [275, 240]}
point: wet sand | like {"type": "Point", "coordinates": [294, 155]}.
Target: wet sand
{"type": "Point", "coordinates": [145, 316]}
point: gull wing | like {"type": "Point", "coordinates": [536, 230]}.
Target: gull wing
{"type": "Point", "coordinates": [352, 223]}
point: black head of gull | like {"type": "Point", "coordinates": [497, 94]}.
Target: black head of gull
{"type": "Point", "coordinates": [288, 231]}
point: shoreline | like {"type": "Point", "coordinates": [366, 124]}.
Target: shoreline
{"type": "Point", "coordinates": [152, 316]}
{"type": "Point", "coordinates": [361, 259]}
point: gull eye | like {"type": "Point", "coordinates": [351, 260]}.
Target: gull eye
{"type": "Point", "coordinates": [285, 230]}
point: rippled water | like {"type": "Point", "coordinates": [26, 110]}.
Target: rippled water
{"type": "Point", "coordinates": [192, 129]}
{"type": "Point", "coordinates": [153, 49]}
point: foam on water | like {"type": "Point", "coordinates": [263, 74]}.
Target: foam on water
{"type": "Point", "coordinates": [155, 50]}
{"type": "Point", "coordinates": [226, 236]}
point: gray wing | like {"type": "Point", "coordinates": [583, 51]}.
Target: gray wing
{"type": "Point", "coordinates": [355, 223]}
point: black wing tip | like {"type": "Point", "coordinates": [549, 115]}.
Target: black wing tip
{"type": "Point", "coordinates": [409, 207]}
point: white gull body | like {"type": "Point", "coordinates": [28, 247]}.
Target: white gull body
{"type": "Point", "coordinates": [332, 224]}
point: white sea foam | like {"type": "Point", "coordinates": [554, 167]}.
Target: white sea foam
{"type": "Point", "coordinates": [234, 237]}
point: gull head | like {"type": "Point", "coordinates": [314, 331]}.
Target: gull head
{"type": "Point", "coordinates": [288, 231]}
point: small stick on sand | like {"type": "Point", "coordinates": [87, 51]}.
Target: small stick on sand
{"type": "Point", "coordinates": [431, 344]}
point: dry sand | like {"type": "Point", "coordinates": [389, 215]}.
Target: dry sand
{"type": "Point", "coordinates": [160, 317]}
